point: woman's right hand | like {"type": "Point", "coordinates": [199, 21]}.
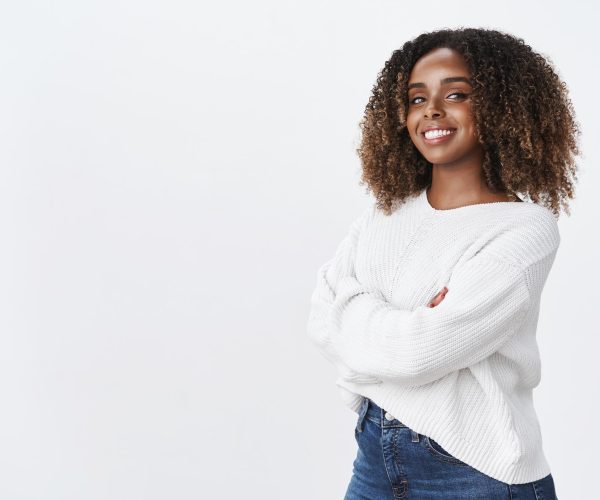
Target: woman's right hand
{"type": "Point", "coordinates": [439, 297]}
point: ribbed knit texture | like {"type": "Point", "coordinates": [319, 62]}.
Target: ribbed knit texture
{"type": "Point", "coordinates": [462, 372]}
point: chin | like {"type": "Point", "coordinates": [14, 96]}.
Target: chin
{"type": "Point", "coordinates": [440, 159]}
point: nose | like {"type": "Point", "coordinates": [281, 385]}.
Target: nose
{"type": "Point", "coordinates": [433, 110]}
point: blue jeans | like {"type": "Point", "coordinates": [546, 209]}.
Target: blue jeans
{"type": "Point", "coordinates": [394, 462]}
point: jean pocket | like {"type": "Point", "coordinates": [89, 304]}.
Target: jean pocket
{"type": "Point", "coordinates": [440, 453]}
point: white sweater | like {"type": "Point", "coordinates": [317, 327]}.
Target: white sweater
{"type": "Point", "coordinates": [462, 372]}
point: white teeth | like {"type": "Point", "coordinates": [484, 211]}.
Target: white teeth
{"type": "Point", "coordinates": [432, 134]}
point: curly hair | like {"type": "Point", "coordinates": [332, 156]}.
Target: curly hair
{"type": "Point", "coordinates": [524, 118]}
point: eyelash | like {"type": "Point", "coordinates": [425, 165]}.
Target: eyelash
{"type": "Point", "coordinates": [453, 93]}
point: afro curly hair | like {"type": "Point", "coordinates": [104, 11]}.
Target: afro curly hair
{"type": "Point", "coordinates": [524, 118]}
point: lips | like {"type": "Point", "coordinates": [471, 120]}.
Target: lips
{"type": "Point", "coordinates": [439, 139]}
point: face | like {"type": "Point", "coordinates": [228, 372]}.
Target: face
{"type": "Point", "coordinates": [439, 97]}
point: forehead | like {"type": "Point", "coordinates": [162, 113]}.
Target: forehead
{"type": "Point", "coordinates": [438, 63]}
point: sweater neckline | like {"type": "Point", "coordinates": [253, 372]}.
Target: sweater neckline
{"type": "Point", "coordinates": [491, 204]}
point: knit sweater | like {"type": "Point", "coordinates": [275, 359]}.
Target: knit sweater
{"type": "Point", "coordinates": [462, 372]}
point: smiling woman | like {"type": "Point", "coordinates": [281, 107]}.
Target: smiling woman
{"type": "Point", "coordinates": [429, 307]}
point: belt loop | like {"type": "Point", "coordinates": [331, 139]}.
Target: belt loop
{"type": "Point", "coordinates": [361, 414]}
{"type": "Point", "coordinates": [415, 436]}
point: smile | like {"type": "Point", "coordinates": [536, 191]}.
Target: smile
{"type": "Point", "coordinates": [438, 135]}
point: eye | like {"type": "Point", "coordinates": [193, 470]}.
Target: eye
{"type": "Point", "coordinates": [461, 94]}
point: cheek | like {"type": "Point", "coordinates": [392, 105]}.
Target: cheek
{"type": "Point", "coordinates": [411, 124]}
{"type": "Point", "coordinates": [466, 117]}
{"type": "Point", "coordinates": [467, 124]}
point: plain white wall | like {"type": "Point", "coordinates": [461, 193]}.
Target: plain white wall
{"type": "Point", "coordinates": [171, 176]}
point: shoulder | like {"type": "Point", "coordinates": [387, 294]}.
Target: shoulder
{"type": "Point", "coordinates": [528, 235]}
{"type": "Point", "coordinates": [539, 225]}
{"type": "Point", "coordinates": [366, 215]}
{"type": "Point", "coordinates": [360, 219]}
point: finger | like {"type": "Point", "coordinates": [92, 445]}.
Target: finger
{"type": "Point", "coordinates": [439, 297]}
{"type": "Point", "coordinates": [435, 302]}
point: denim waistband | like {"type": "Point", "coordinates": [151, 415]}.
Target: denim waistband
{"type": "Point", "coordinates": [373, 412]}
{"type": "Point", "coordinates": [370, 411]}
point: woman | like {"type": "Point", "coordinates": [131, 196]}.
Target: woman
{"type": "Point", "coordinates": [430, 305]}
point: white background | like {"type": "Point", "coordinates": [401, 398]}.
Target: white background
{"type": "Point", "coordinates": [171, 176]}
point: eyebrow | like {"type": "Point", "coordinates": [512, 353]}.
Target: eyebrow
{"type": "Point", "coordinates": [443, 81]}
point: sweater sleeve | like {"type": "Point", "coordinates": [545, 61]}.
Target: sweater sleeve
{"type": "Point", "coordinates": [329, 276]}
{"type": "Point", "coordinates": [485, 305]}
